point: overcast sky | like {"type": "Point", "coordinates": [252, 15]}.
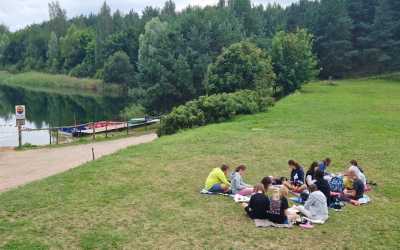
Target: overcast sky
{"type": "Point", "coordinates": [16, 14]}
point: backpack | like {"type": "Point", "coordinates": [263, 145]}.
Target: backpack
{"type": "Point", "coordinates": [336, 184]}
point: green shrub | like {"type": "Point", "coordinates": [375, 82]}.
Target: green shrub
{"type": "Point", "coordinates": [212, 109]}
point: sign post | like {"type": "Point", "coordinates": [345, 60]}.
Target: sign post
{"type": "Point", "coordinates": [20, 121]}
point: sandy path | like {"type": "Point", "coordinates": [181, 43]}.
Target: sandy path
{"type": "Point", "coordinates": [21, 167]}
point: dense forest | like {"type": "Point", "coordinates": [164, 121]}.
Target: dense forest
{"type": "Point", "coordinates": [166, 57]}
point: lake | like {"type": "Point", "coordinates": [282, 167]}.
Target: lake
{"type": "Point", "coordinates": [52, 108]}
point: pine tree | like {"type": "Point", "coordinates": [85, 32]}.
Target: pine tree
{"type": "Point", "coordinates": [58, 19]}
{"type": "Point", "coordinates": [333, 38]}
{"type": "Point", "coordinates": [103, 30]}
{"type": "Point", "coordinates": [53, 53]}
{"type": "Point", "coordinates": [362, 13]}
{"type": "Point", "coordinates": [386, 35]}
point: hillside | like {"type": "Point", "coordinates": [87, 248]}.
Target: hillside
{"type": "Point", "coordinates": [147, 196]}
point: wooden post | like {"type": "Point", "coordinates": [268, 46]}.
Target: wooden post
{"type": "Point", "coordinates": [94, 131]}
{"type": "Point", "coordinates": [19, 136]}
{"type": "Point", "coordinates": [106, 129]}
{"type": "Point", "coordinates": [50, 134]}
{"type": "Point", "coordinates": [57, 137]}
{"type": "Point", "coordinates": [127, 128]}
{"type": "Point", "coordinates": [93, 157]}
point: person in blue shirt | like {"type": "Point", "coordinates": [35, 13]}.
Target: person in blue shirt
{"type": "Point", "coordinates": [323, 165]}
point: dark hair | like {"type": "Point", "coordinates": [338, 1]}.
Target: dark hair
{"type": "Point", "coordinates": [354, 163]}
{"type": "Point", "coordinates": [328, 160]}
{"type": "Point", "coordinates": [240, 167]}
{"type": "Point", "coordinates": [294, 163]}
{"type": "Point", "coordinates": [312, 167]}
{"type": "Point", "coordinates": [266, 181]}
{"type": "Point", "coordinates": [312, 188]}
{"type": "Point", "coordinates": [224, 167]}
{"type": "Point", "coordinates": [319, 174]}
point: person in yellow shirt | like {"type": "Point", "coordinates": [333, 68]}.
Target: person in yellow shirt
{"type": "Point", "coordinates": [217, 181]}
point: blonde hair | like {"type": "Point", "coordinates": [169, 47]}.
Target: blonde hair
{"type": "Point", "coordinates": [280, 193]}
{"type": "Point", "coordinates": [259, 187]}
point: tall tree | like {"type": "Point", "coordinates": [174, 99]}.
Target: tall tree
{"type": "Point", "coordinates": [241, 66]}
{"type": "Point", "coordinates": [103, 30]}
{"type": "Point", "coordinates": [169, 9]}
{"type": "Point", "coordinates": [58, 19]}
{"type": "Point", "coordinates": [333, 38]}
{"type": "Point", "coordinates": [386, 35]}
{"type": "Point", "coordinates": [156, 66]}
{"type": "Point", "coordinates": [53, 53]}
{"type": "Point", "coordinates": [242, 9]}
{"type": "Point", "coordinates": [362, 13]}
{"type": "Point", "coordinates": [118, 68]}
{"type": "Point", "coordinates": [293, 60]}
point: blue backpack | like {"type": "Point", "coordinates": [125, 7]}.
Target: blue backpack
{"type": "Point", "coordinates": [336, 184]}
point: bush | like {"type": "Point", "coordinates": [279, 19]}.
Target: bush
{"type": "Point", "coordinates": [211, 109]}
{"type": "Point", "coordinates": [241, 66]}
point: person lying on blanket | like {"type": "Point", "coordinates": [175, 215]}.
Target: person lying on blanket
{"type": "Point", "coordinates": [316, 207]}
{"type": "Point", "coordinates": [238, 186]}
{"type": "Point", "coordinates": [354, 194]}
{"type": "Point", "coordinates": [296, 183]}
{"type": "Point", "coordinates": [217, 181]}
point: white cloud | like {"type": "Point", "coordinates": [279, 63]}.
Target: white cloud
{"type": "Point", "coordinates": [17, 14]}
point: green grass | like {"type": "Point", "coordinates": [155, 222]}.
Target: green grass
{"type": "Point", "coordinates": [56, 83]}
{"type": "Point", "coordinates": [147, 196]}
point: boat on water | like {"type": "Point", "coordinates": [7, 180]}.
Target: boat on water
{"type": "Point", "coordinates": [106, 126]}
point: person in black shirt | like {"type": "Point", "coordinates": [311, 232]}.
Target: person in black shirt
{"type": "Point", "coordinates": [323, 185]}
{"type": "Point", "coordinates": [259, 203]}
{"type": "Point", "coordinates": [356, 193]}
{"type": "Point", "coordinates": [296, 183]}
{"type": "Point", "coordinates": [278, 207]}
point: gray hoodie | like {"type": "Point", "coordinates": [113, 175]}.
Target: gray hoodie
{"type": "Point", "coordinates": [237, 183]}
{"type": "Point", "coordinates": [317, 206]}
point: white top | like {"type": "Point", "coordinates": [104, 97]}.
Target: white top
{"type": "Point", "coordinates": [359, 174]}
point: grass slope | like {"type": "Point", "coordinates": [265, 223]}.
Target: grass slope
{"type": "Point", "coordinates": [147, 196]}
{"type": "Point", "coordinates": [56, 83]}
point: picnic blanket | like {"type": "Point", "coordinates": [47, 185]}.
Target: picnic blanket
{"type": "Point", "coordinates": [205, 191]}
{"type": "Point", "coordinates": [267, 223]}
{"type": "Point", "coordinates": [241, 199]}
{"type": "Point", "coordinates": [364, 200]}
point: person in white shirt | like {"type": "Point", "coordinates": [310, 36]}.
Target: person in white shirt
{"type": "Point", "coordinates": [358, 171]}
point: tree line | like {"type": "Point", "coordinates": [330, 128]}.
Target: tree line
{"type": "Point", "coordinates": [167, 57]}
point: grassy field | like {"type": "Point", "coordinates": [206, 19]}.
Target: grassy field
{"type": "Point", "coordinates": [147, 196]}
{"type": "Point", "coordinates": [43, 81]}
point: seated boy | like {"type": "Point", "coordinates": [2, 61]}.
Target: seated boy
{"type": "Point", "coordinates": [217, 181]}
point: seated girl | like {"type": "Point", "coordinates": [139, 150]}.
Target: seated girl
{"type": "Point", "coordinates": [315, 207]}
{"type": "Point", "coordinates": [310, 175]}
{"type": "Point", "coordinates": [356, 193]}
{"type": "Point", "coordinates": [279, 205]}
{"type": "Point", "coordinates": [259, 203]}
{"type": "Point", "coordinates": [296, 183]}
{"type": "Point", "coordinates": [358, 171]}
{"type": "Point", "coordinates": [238, 186]}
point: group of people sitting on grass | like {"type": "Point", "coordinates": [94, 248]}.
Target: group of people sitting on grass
{"type": "Point", "coordinates": [316, 189]}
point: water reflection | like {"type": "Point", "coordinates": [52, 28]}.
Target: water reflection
{"type": "Point", "coordinates": [44, 109]}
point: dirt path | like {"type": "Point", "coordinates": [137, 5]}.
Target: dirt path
{"type": "Point", "coordinates": [21, 167]}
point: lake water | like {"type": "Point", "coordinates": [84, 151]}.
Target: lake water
{"type": "Point", "coordinates": [55, 109]}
